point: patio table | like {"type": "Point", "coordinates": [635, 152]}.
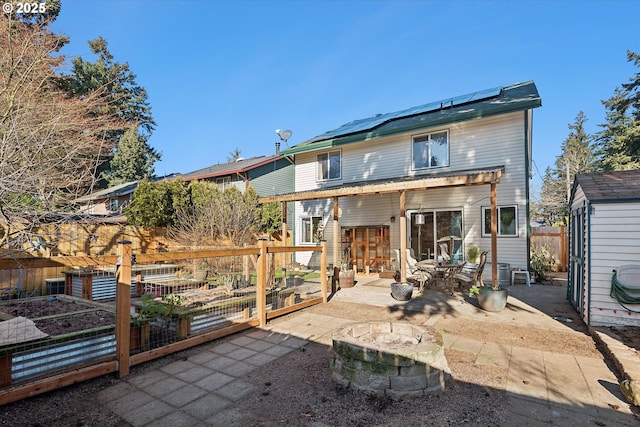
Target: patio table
{"type": "Point", "coordinates": [445, 271]}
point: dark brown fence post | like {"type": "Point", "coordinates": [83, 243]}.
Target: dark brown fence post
{"type": "Point", "coordinates": [261, 291]}
{"type": "Point", "coordinates": [123, 308]}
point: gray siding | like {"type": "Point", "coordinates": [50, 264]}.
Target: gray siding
{"type": "Point", "coordinates": [273, 178]}
{"type": "Point", "coordinates": [614, 241]}
{"type": "Point", "coordinates": [488, 142]}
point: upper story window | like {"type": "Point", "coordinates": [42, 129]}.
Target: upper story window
{"type": "Point", "coordinates": [507, 221]}
{"type": "Point", "coordinates": [431, 150]}
{"type": "Point", "coordinates": [223, 183]}
{"type": "Point", "coordinates": [328, 165]}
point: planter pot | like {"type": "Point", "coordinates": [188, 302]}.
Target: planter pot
{"type": "Point", "coordinates": [347, 279]}
{"type": "Point", "coordinates": [200, 274]}
{"type": "Point", "coordinates": [492, 300]}
{"type": "Point", "coordinates": [401, 291]}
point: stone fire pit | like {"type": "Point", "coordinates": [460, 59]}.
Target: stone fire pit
{"type": "Point", "coordinates": [390, 358]}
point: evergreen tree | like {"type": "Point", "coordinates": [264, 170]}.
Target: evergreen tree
{"type": "Point", "coordinates": [154, 204]}
{"type": "Point", "coordinates": [620, 139]}
{"type": "Point", "coordinates": [578, 156]}
{"type": "Point", "coordinates": [133, 160]}
{"type": "Point", "coordinates": [552, 204]}
{"type": "Point", "coordinates": [117, 84]}
{"type": "Point", "coordinates": [122, 98]}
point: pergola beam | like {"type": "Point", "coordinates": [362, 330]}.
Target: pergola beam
{"type": "Point", "coordinates": [463, 178]}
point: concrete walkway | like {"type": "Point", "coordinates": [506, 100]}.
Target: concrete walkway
{"type": "Point", "coordinates": [560, 389]}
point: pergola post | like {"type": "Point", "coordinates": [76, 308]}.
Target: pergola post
{"type": "Point", "coordinates": [337, 247]}
{"type": "Point", "coordinates": [403, 236]}
{"type": "Point", "coordinates": [285, 256]}
{"type": "Point", "coordinates": [494, 233]}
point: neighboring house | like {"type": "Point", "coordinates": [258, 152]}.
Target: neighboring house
{"type": "Point", "coordinates": [268, 175]}
{"type": "Point", "coordinates": [108, 203]}
{"type": "Point", "coordinates": [418, 178]}
{"type": "Point", "coordinates": [604, 235]}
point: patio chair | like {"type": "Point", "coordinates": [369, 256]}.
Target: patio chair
{"type": "Point", "coordinates": [444, 251]}
{"type": "Point", "coordinates": [414, 272]}
{"type": "Point", "coordinates": [471, 275]}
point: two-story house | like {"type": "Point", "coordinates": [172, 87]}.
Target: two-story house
{"type": "Point", "coordinates": [429, 178]}
{"type": "Point", "coordinates": [268, 175]}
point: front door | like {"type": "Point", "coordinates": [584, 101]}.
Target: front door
{"type": "Point", "coordinates": [433, 232]}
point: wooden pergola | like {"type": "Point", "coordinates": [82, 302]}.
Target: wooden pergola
{"type": "Point", "coordinates": [485, 176]}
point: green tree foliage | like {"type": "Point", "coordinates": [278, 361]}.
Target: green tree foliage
{"type": "Point", "coordinates": [270, 218]}
{"type": "Point", "coordinates": [620, 138]}
{"type": "Point", "coordinates": [122, 97]}
{"type": "Point", "coordinates": [578, 156]}
{"type": "Point", "coordinates": [117, 83]}
{"type": "Point", "coordinates": [200, 214]}
{"type": "Point", "coordinates": [133, 160]}
{"type": "Point", "coordinates": [154, 204]}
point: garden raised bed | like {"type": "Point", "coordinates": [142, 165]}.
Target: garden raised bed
{"type": "Point", "coordinates": [79, 333]}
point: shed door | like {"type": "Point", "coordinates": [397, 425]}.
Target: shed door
{"type": "Point", "coordinates": [575, 291]}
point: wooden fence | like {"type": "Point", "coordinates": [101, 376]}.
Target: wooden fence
{"type": "Point", "coordinates": [264, 296]}
{"type": "Point", "coordinates": [556, 240]}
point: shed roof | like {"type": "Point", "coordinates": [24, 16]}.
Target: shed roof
{"type": "Point", "coordinates": [484, 103]}
{"type": "Point", "coordinates": [610, 186]}
{"type": "Point", "coordinates": [224, 169]}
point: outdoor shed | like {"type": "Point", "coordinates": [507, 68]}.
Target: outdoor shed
{"type": "Point", "coordinates": [604, 237]}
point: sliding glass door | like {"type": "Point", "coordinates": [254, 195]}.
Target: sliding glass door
{"type": "Point", "coordinates": [436, 233]}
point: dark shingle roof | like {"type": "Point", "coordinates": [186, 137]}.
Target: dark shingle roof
{"type": "Point", "coordinates": [224, 169]}
{"type": "Point", "coordinates": [610, 186]}
{"type": "Point", "coordinates": [115, 191]}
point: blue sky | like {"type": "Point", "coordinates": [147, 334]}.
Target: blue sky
{"type": "Point", "coordinates": [226, 74]}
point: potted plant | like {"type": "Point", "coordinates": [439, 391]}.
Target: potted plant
{"type": "Point", "coordinates": [540, 263]}
{"type": "Point", "coordinates": [473, 252]}
{"type": "Point", "coordinates": [347, 274]}
{"type": "Point", "coordinates": [490, 298]}
{"type": "Point", "coordinates": [402, 291]}
{"type": "Point", "coordinates": [201, 272]}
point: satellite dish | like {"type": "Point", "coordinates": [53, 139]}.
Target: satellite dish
{"type": "Point", "coordinates": [284, 134]}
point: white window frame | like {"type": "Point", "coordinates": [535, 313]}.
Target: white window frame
{"type": "Point", "coordinates": [486, 210]}
{"type": "Point", "coordinates": [426, 137]}
{"type": "Point", "coordinates": [309, 235]}
{"type": "Point", "coordinates": [114, 205]}
{"type": "Point", "coordinates": [322, 163]}
{"type": "Point", "coordinates": [223, 183]}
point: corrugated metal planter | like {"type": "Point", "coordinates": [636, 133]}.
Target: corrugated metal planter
{"type": "Point", "coordinates": [22, 361]}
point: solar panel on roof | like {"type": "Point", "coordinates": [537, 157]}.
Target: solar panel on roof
{"type": "Point", "coordinates": [375, 121]}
